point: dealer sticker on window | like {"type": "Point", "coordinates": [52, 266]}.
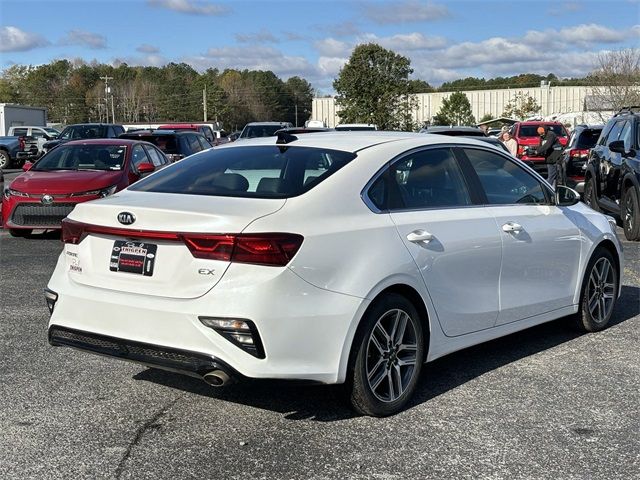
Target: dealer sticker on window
{"type": "Point", "coordinates": [133, 257]}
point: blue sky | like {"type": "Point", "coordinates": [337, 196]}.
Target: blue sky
{"type": "Point", "coordinates": [445, 40]}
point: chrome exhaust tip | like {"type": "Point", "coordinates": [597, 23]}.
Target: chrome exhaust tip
{"type": "Point", "coordinates": [216, 378]}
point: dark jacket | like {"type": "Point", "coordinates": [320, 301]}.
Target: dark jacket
{"type": "Point", "coordinates": [550, 147]}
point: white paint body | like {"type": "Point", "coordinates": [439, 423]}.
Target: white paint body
{"type": "Point", "coordinates": [477, 282]}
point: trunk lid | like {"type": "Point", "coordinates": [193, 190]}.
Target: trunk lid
{"type": "Point", "coordinates": [157, 262]}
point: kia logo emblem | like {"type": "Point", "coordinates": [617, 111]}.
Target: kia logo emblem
{"type": "Point", "coordinates": [126, 218]}
{"type": "Point", "coordinates": [47, 200]}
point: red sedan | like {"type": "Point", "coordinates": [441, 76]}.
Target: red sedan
{"type": "Point", "coordinates": [75, 172]}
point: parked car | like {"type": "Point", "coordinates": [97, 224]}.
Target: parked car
{"type": "Point", "coordinates": [612, 179]}
{"type": "Point", "coordinates": [491, 141]}
{"type": "Point", "coordinates": [233, 136]}
{"type": "Point", "coordinates": [576, 153]}
{"type": "Point", "coordinates": [204, 130]}
{"type": "Point", "coordinates": [12, 151]}
{"type": "Point", "coordinates": [262, 129]}
{"type": "Point", "coordinates": [331, 258]}
{"type": "Point", "coordinates": [355, 127]}
{"type": "Point", "coordinates": [175, 145]}
{"type": "Point", "coordinates": [454, 131]}
{"type": "Point", "coordinates": [35, 138]}
{"type": "Point", "coordinates": [72, 173]}
{"type": "Point", "coordinates": [526, 134]}
{"type": "Point", "coordinates": [84, 131]}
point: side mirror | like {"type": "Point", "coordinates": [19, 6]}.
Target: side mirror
{"type": "Point", "coordinates": [617, 146]}
{"type": "Point", "coordinates": [565, 196]}
{"type": "Point", "coordinates": [27, 166]}
{"type": "Point", "coordinates": [146, 168]}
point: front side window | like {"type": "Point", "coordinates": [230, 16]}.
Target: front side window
{"type": "Point", "coordinates": [504, 182]}
{"type": "Point", "coordinates": [614, 134]}
{"type": "Point", "coordinates": [82, 157]}
{"type": "Point", "coordinates": [156, 158]}
{"type": "Point", "coordinates": [138, 156]}
{"type": "Point", "coordinates": [625, 136]}
{"type": "Point", "coordinates": [82, 131]}
{"type": "Point", "coordinates": [260, 171]}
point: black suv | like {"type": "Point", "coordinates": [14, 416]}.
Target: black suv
{"type": "Point", "coordinates": [175, 144]}
{"type": "Point", "coordinates": [576, 154]}
{"type": "Point", "coordinates": [612, 179]}
{"type": "Point", "coordinates": [84, 131]}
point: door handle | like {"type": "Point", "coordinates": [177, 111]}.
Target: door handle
{"type": "Point", "coordinates": [512, 227]}
{"type": "Point", "coordinates": [418, 236]}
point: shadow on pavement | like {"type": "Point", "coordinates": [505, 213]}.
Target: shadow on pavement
{"type": "Point", "coordinates": [327, 403]}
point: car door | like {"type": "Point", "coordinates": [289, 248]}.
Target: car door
{"type": "Point", "coordinates": [541, 245]}
{"type": "Point", "coordinates": [455, 244]}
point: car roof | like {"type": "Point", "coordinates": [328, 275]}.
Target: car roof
{"type": "Point", "coordinates": [102, 141]}
{"type": "Point", "coordinates": [147, 133]}
{"type": "Point", "coordinates": [267, 123]}
{"type": "Point", "coordinates": [539, 122]}
{"type": "Point", "coordinates": [355, 141]}
{"type": "Point", "coordinates": [95, 125]}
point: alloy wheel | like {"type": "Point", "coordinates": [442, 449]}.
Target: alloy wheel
{"type": "Point", "coordinates": [628, 212]}
{"type": "Point", "coordinates": [601, 290]}
{"type": "Point", "coordinates": [391, 355]}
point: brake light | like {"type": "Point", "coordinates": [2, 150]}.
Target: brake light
{"type": "Point", "coordinates": [274, 249]}
{"type": "Point", "coordinates": [520, 150]}
{"type": "Point", "coordinates": [21, 143]}
{"type": "Point", "coordinates": [577, 153]}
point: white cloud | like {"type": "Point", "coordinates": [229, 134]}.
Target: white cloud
{"type": "Point", "coordinates": [406, 42]}
{"type": "Point", "coordinates": [191, 7]}
{"type": "Point", "coordinates": [564, 8]}
{"type": "Point", "coordinates": [142, 61]}
{"type": "Point", "coordinates": [263, 36]}
{"type": "Point", "coordinates": [254, 58]}
{"type": "Point", "coordinates": [330, 47]}
{"type": "Point", "coordinates": [146, 48]}
{"type": "Point", "coordinates": [404, 12]}
{"type": "Point", "coordinates": [12, 39]}
{"type": "Point", "coordinates": [85, 39]}
{"type": "Point", "coordinates": [330, 66]}
{"type": "Point", "coordinates": [580, 36]}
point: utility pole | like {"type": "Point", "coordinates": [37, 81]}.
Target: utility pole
{"type": "Point", "coordinates": [204, 102]}
{"type": "Point", "coordinates": [106, 96]}
{"type": "Point", "coordinates": [296, 110]}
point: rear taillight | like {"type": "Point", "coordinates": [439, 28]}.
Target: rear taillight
{"type": "Point", "coordinates": [520, 150]}
{"type": "Point", "coordinates": [22, 143]}
{"type": "Point", "coordinates": [273, 249]}
{"type": "Point", "coordinates": [578, 153]}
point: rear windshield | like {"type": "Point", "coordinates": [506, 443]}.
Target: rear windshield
{"type": "Point", "coordinates": [83, 157]}
{"type": "Point", "coordinates": [167, 143]}
{"type": "Point", "coordinates": [255, 131]}
{"type": "Point", "coordinates": [588, 138]}
{"type": "Point", "coordinates": [257, 171]}
{"type": "Point", "coordinates": [532, 130]}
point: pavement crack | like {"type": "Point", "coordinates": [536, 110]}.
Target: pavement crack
{"type": "Point", "coordinates": [142, 429]}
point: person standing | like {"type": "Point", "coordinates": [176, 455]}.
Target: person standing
{"type": "Point", "coordinates": [509, 142]}
{"type": "Point", "coordinates": [551, 149]}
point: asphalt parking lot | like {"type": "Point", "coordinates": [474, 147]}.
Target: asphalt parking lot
{"type": "Point", "coordinates": [544, 403]}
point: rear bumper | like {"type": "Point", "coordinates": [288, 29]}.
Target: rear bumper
{"type": "Point", "coordinates": [306, 331]}
{"type": "Point", "coordinates": [174, 360]}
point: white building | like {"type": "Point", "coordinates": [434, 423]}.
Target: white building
{"type": "Point", "coordinates": [552, 100]}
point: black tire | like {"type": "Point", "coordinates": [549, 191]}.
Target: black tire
{"type": "Point", "coordinates": [594, 316]}
{"type": "Point", "coordinates": [20, 232]}
{"type": "Point", "coordinates": [5, 160]}
{"type": "Point", "coordinates": [630, 212]}
{"type": "Point", "coordinates": [395, 375]}
{"type": "Point", "coordinates": [590, 196]}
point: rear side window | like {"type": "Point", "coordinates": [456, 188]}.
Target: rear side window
{"type": "Point", "coordinates": [504, 182]}
{"type": "Point", "coordinates": [194, 143]}
{"type": "Point", "coordinates": [20, 132]}
{"type": "Point", "coordinates": [257, 171]}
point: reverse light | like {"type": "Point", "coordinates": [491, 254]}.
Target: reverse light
{"type": "Point", "coordinates": [242, 333]}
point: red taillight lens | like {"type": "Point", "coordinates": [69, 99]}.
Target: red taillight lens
{"type": "Point", "coordinates": [575, 153]}
{"type": "Point", "coordinates": [212, 247]}
{"type": "Point", "coordinates": [72, 232]}
{"type": "Point", "coordinates": [21, 142]}
{"type": "Point", "coordinates": [520, 150]}
{"type": "Point", "coordinates": [275, 249]}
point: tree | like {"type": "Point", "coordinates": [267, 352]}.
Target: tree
{"type": "Point", "coordinates": [521, 106]}
{"type": "Point", "coordinates": [419, 86]}
{"type": "Point", "coordinates": [373, 87]}
{"type": "Point", "coordinates": [300, 98]}
{"type": "Point", "coordinates": [486, 117]}
{"type": "Point", "coordinates": [615, 83]}
{"type": "Point", "coordinates": [455, 110]}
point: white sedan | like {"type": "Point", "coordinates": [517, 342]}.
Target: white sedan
{"type": "Point", "coordinates": [332, 257]}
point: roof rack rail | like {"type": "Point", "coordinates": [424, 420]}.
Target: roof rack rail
{"type": "Point", "coordinates": [630, 109]}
